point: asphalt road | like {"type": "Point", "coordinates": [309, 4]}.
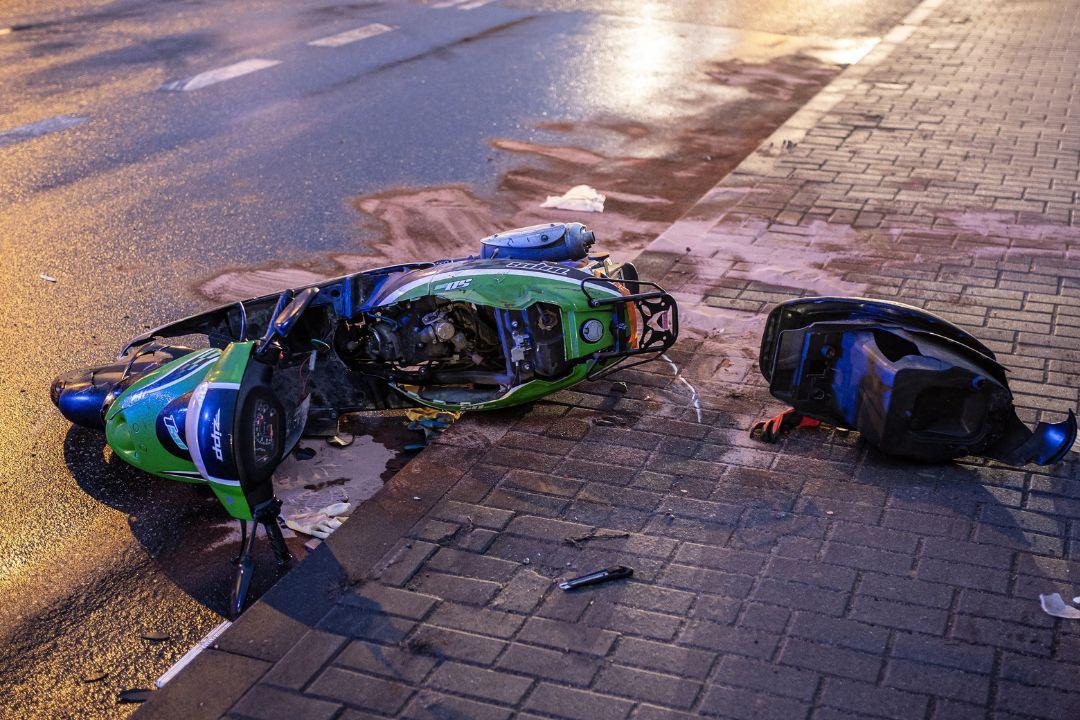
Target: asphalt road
{"type": "Point", "coordinates": [149, 188]}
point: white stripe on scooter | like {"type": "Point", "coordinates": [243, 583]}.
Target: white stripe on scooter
{"type": "Point", "coordinates": [210, 77]}
{"type": "Point", "coordinates": [223, 385]}
{"type": "Point", "coordinates": [466, 273]}
{"type": "Point", "coordinates": [208, 356]}
{"type": "Point", "coordinates": [351, 36]}
{"type": "Point", "coordinates": [191, 428]}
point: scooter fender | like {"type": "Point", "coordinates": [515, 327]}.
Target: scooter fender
{"type": "Point", "coordinates": [238, 429]}
{"type": "Point", "coordinates": [210, 428]}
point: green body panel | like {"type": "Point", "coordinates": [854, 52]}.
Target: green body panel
{"type": "Point", "coordinates": [517, 292]}
{"type": "Point", "coordinates": [130, 424]}
{"type": "Point", "coordinates": [230, 367]}
{"type": "Point", "coordinates": [232, 364]}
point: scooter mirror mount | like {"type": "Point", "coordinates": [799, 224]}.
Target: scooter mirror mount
{"type": "Point", "coordinates": [288, 311]}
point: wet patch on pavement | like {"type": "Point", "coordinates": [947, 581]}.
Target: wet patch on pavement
{"type": "Point", "coordinates": [652, 170]}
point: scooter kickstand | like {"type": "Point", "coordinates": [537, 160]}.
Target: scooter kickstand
{"type": "Point", "coordinates": [268, 515]}
{"type": "Point", "coordinates": [243, 541]}
{"type": "Point", "coordinates": [265, 514]}
{"type": "Point", "coordinates": [244, 570]}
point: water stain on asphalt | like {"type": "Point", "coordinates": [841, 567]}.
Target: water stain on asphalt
{"type": "Point", "coordinates": [651, 171]}
{"type": "Point", "coordinates": [780, 80]}
{"type": "Point", "coordinates": [241, 284]}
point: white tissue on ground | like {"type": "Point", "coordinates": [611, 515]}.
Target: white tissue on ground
{"type": "Point", "coordinates": [582, 198]}
{"type": "Point", "coordinates": [1054, 605]}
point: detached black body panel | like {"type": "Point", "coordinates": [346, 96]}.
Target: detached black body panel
{"type": "Point", "coordinates": [913, 384]}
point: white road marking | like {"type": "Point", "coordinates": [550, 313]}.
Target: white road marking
{"type": "Point", "coordinates": [460, 4]}
{"type": "Point", "coordinates": [192, 653]}
{"type": "Point", "coordinates": [39, 128]}
{"type": "Point", "coordinates": [350, 36]}
{"type": "Point", "coordinates": [223, 73]}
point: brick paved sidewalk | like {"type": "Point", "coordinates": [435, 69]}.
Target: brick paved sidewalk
{"type": "Point", "coordinates": [814, 579]}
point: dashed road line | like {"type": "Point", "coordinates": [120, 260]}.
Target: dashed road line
{"type": "Point", "coordinates": [39, 128]}
{"type": "Point", "coordinates": [228, 72]}
{"type": "Point", "coordinates": [351, 36]}
{"type": "Point", "coordinates": [460, 4]}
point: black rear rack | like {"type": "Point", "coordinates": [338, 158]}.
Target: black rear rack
{"type": "Point", "coordinates": [656, 338]}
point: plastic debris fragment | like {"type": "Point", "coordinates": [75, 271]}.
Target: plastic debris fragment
{"type": "Point", "coordinates": [429, 421]}
{"type": "Point", "coordinates": [47, 278]}
{"type": "Point", "coordinates": [928, 391]}
{"type": "Point", "coordinates": [578, 539]}
{"type": "Point", "coordinates": [341, 441]}
{"type": "Point", "coordinates": [771, 430]}
{"type": "Point", "coordinates": [314, 524]}
{"type": "Point", "coordinates": [304, 453]}
{"type": "Point", "coordinates": [1053, 605]}
{"type": "Point", "coordinates": [582, 198]}
{"type": "Point", "coordinates": [321, 522]}
{"type": "Point", "coordinates": [338, 509]}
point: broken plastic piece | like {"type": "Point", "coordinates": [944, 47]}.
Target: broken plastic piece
{"type": "Point", "coordinates": [47, 278]}
{"type": "Point", "coordinates": [579, 539]}
{"type": "Point", "coordinates": [321, 522]}
{"type": "Point", "coordinates": [338, 509]}
{"type": "Point", "coordinates": [617, 572]}
{"type": "Point", "coordinates": [582, 198]}
{"type": "Point", "coordinates": [913, 384]}
{"type": "Point", "coordinates": [429, 421]}
{"type": "Point", "coordinates": [770, 430]}
{"type": "Point", "coordinates": [1053, 605]}
{"type": "Point", "coordinates": [304, 453]}
{"type": "Point", "coordinates": [341, 442]}
{"type": "Point", "coordinates": [314, 524]}
{"type": "Point", "coordinates": [154, 636]}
